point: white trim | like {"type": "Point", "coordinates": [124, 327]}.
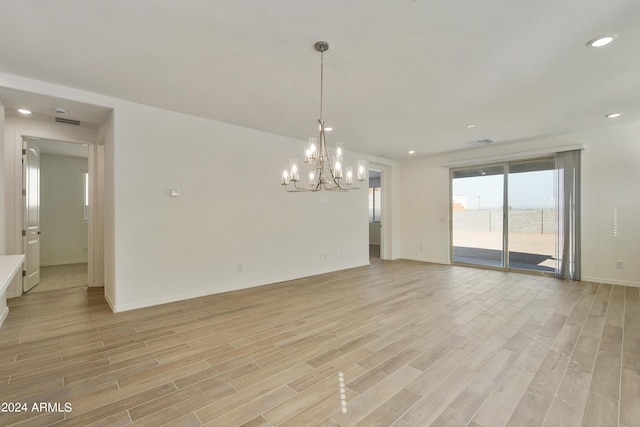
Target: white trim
{"type": "Point", "coordinates": [110, 303]}
{"type": "Point", "coordinates": [512, 156]}
{"type": "Point", "coordinates": [174, 298]}
{"type": "Point", "coordinates": [610, 281]}
{"type": "Point", "coordinates": [65, 262]}
{"type": "Point", "coordinates": [429, 260]}
{"type": "Point", "coordinates": [4, 313]}
{"type": "Point", "coordinates": [14, 224]}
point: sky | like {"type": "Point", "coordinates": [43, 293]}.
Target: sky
{"type": "Point", "coordinates": [527, 190]}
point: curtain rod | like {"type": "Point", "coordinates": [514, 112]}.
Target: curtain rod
{"type": "Point", "coordinates": [522, 155]}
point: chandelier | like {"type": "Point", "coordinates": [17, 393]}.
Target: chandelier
{"type": "Point", "coordinates": [325, 173]}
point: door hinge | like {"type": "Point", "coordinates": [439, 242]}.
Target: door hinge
{"type": "Point", "coordinates": [24, 151]}
{"type": "Point", "coordinates": [24, 233]}
{"type": "Point", "coordinates": [24, 192]}
{"type": "Point", "coordinates": [24, 273]}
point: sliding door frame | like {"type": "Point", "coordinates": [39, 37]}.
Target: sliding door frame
{"type": "Point", "coordinates": [505, 216]}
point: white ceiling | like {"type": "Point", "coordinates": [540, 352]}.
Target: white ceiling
{"type": "Point", "coordinates": [399, 75]}
{"type": "Point", "coordinates": [44, 107]}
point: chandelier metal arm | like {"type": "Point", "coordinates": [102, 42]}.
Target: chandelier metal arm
{"type": "Point", "coordinates": [324, 174]}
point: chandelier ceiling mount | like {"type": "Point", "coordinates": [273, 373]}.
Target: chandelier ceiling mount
{"type": "Point", "coordinates": [324, 172]}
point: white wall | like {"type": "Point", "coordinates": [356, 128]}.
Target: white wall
{"type": "Point", "coordinates": [610, 177]}
{"type": "Point", "coordinates": [64, 238]}
{"type": "Point", "coordinates": [232, 213]}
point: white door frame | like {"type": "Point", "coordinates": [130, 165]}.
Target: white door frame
{"type": "Point", "coordinates": [95, 223]}
{"type": "Point", "coordinates": [385, 211]}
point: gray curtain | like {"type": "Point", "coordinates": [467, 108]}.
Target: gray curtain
{"type": "Point", "coordinates": [568, 214]}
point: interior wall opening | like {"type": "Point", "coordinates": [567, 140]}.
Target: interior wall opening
{"type": "Point", "coordinates": [57, 213]}
{"type": "Point", "coordinates": [375, 214]}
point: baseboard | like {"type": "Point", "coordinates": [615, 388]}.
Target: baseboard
{"type": "Point", "coordinates": [110, 303]}
{"type": "Point", "coordinates": [4, 315]}
{"type": "Point", "coordinates": [610, 281]}
{"type": "Point", "coordinates": [73, 261]}
{"type": "Point", "coordinates": [236, 287]}
{"type": "Point", "coordinates": [432, 261]}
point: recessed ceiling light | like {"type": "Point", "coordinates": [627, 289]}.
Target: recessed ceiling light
{"type": "Point", "coordinates": [412, 151]}
{"type": "Point", "coordinates": [470, 126]}
{"type": "Point", "coordinates": [24, 111]}
{"type": "Point", "coordinates": [601, 41]}
{"type": "Point", "coordinates": [613, 115]}
{"type": "Point", "coordinates": [328, 129]}
{"type": "Point", "coordinates": [482, 142]}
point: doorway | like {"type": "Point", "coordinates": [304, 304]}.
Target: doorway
{"type": "Point", "coordinates": [57, 210]}
{"type": "Point", "coordinates": [505, 215]}
{"type": "Point", "coordinates": [375, 215]}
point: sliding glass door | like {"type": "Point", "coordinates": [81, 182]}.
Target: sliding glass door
{"type": "Point", "coordinates": [478, 197]}
{"type": "Point", "coordinates": [532, 215]}
{"type": "Point", "coordinates": [521, 237]}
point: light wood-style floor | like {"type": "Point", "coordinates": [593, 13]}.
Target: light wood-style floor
{"type": "Point", "coordinates": [55, 277]}
{"type": "Point", "coordinates": [398, 343]}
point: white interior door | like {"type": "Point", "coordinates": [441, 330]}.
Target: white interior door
{"type": "Point", "coordinates": [31, 231]}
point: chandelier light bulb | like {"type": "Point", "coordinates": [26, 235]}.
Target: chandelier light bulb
{"type": "Point", "coordinates": [294, 173]}
{"type": "Point", "coordinates": [324, 172]}
{"type": "Point", "coordinates": [349, 180]}
{"type": "Point", "coordinates": [361, 170]}
{"type": "Point", "coordinates": [338, 170]}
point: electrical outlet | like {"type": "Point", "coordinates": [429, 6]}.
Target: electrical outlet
{"type": "Point", "coordinates": [620, 265]}
{"type": "Point", "coordinates": [239, 269]}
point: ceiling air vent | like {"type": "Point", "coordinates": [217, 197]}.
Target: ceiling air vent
{"type": "Point", "coordinates": [482, 142]}
{"type": "Point", "coordinates": [68, 121]}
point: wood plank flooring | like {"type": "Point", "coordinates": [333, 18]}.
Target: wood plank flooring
{"type": "Point", "coordinates": [397, 343]}
{"type": "Point", "coordinates": [55, 277]}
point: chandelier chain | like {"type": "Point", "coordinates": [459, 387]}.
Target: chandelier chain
{"type": "Point", "coordinates": [321, 81]}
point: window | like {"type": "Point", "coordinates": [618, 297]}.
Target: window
{"type": "Point", "coordinates": [375, 204]}
{"type": "Point", "coordinates": [85, 181]}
